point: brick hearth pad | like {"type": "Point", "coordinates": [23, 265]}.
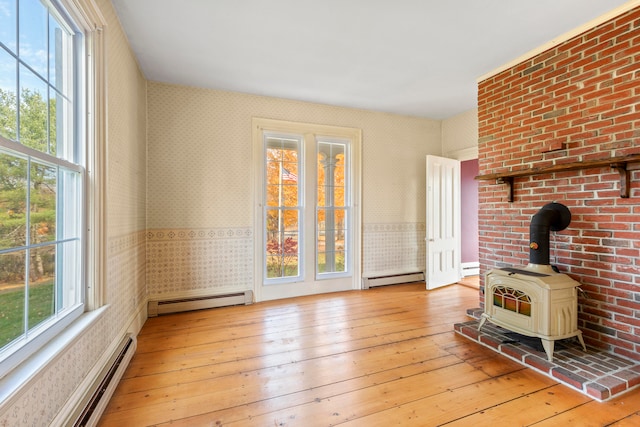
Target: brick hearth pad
{"type": "Point", "coordinates": [596, 373]}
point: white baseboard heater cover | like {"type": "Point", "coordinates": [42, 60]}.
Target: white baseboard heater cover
{"type": "Point", "coordinates": [90, 409]}
{"type": "Point", "coordinates": [370, 282]}
{"type": "Point", "coordinates": [470, 269]}
{"type": "Point", "coordinates": [177, 305]}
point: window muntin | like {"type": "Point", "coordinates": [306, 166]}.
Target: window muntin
{"type": "Point", "coordinates": [282, 213]}
{"type": "Point", "coordinates": [42, 194]}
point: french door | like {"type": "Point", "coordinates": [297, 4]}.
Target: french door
{"type": "Point", "coordinates": [307, 214]}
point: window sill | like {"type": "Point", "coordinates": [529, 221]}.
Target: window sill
{"type": "Point", "coordinates": [12, 383]}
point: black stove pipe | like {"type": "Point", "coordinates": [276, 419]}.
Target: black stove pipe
{"type": "Point", "coordinates": [552, 217]}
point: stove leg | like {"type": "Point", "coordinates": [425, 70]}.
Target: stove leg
{"type": "Point", "coordinates": [483, 319]}
{"type": "Point", "coordinates": [584, 347]}
{"type": "Point", "coordinates": [548, 348]}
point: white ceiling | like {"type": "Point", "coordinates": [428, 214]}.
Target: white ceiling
{"type": "Point", "coordinates": [413, 57]}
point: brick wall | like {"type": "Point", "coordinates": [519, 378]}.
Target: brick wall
{"type": "Point", "coordinates": [577, 101]}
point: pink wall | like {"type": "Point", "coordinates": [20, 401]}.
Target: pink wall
{"type": "Point", "coordinates": [469, 207]}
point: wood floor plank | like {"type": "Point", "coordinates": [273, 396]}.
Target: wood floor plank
{"type": "Point", "coordinates": [384, 356]}
{"type": "Point", "coordinates": [597, 414]}
{"type": "Point", "coordinates": [319, 371]}
{"type": "Point", "coordinates": [338, 408]}
{"type": "Point", "coordinates": [456, 403]}
{"type": "Point", "coordinates": [526, 410]}
{"type": "Point", "coordinates": [248, 397]}
{"type": "Point", "coordinates": [630, 421]}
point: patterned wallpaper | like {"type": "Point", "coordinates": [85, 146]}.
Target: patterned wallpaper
{"type": "Point", "coordinates": [460, 132]}
{"type": "Point", "coordinates": [393, 248]}
{"type": "Point", "coordinates": [199, 184]}
{"type": "Point", "coordinates": [200, 155]}
{"type": "Point", "coordinates": [199, 260]}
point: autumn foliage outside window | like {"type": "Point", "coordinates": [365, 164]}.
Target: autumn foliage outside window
{"type": "Point", "coordinates": [332, 217]}
{"type": "Point", "coordinates": [283, 209]}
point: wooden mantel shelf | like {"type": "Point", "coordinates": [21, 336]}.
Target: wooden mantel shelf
{"type": "Point", "coordinates": [623, 164]}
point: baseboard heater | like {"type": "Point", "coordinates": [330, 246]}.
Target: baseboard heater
{"type": "Point", "coordinates": [470, 269]}
{"type": "Point", "coordinates": [177, 305]}
{"type": "Point", "coordinates": [90, 409]}
{"type": "Point", "coordinates": [370, 282]}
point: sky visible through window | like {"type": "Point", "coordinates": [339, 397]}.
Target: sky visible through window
{"type": "Point", "coordinates": [35, 69]}
{"type": "Point", "coordinates": [32, 46]}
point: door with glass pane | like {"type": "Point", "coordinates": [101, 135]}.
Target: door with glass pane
{"type": "Point", "coordinates": [306, 244]}
{"type": "Point", "coordinates": [282, 225]}
{"type": "Point", "coordinates": [332, 209]}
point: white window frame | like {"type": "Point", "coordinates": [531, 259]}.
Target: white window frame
{"type": "Point", "coordinates": [348, 209]}
{"type": "Point", "coordinates": [90, 124]}
{"type": "Point", "coordinates": [311, 283]}
{"type": "Point", "coordinates": [300, 207]}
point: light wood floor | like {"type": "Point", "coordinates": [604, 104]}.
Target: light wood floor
{"type": "Point", "coordinates": [379, 357]}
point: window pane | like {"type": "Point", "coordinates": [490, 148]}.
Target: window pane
{"type": "Point", "coordinates": [8, 101]}
{"type": "Point", "coordinates": [290, 221]}
{"type": "Point", "coordinates": [274, 268]}
{"type": "Point", "coordinates": [282, 243]}
{"type": "Point", "coordinates": [12, 296]}
{"type": "Point", "coordinates": [69, 283]}
{"type": "Point", "coordinates": [331, 174]}
{"type": "Point", "coordinates": [273, 223]}
{"type": "Point", "coordinates": [60, 107]}
{"type": "Point", "coordinates": [60, 50]}
{"type": "Point", "coordinates": [33, 111]}
{"type": "Point", "coordinates": [339, 181]}
{"type": "Point", "coordinates": [43, 203]}
{"type": "Point", "coordinates": [13, 201]}
{"type": "Point", "coordinates": [33, 35]}
{"type": "Point", "coordinates": [273, 195]}
{"type": "Point", "coordinates": [331, 213]}
{"type": "Point", "coordinates": [41, 284]}
{"type": "Point", "coordinates": [8, 19]}
{"type": "Point", "coordinates": [282, 219]}
{"type": "Point", "coordinates": [330, 241]}
{"type": "Point", "coordinates": [69, 218]}
{"type": "Point", "coordinates": [289, 196]}
{"type": "Point", "coordinates": [340, 264]}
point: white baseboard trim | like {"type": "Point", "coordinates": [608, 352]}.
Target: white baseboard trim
{"type": "Point", "coordinates": [189, 303]}
{"type": "Point", "coordinates": [133, 326]}
{"type": "Point", "coordinates": [370, 282]}
{"type": "Point", "coordinates": [470, 269]}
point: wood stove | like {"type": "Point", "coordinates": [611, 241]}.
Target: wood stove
{"type": "Point", "coordinates": [535, 300]}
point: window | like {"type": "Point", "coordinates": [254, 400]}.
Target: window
{"type": "Point", "coordinates": [43, 158]}
{"type": "Point", "coordinates": [282, 208]}
{"type": "Point", "coordinates": [306, 190]}
{"type": "Point", "coordinates": [332, 209]}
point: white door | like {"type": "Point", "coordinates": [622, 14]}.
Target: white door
{"type": "Point", "coordinates": [443, 241]}
{"type": "Point", "coordinates": [307, 209]}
